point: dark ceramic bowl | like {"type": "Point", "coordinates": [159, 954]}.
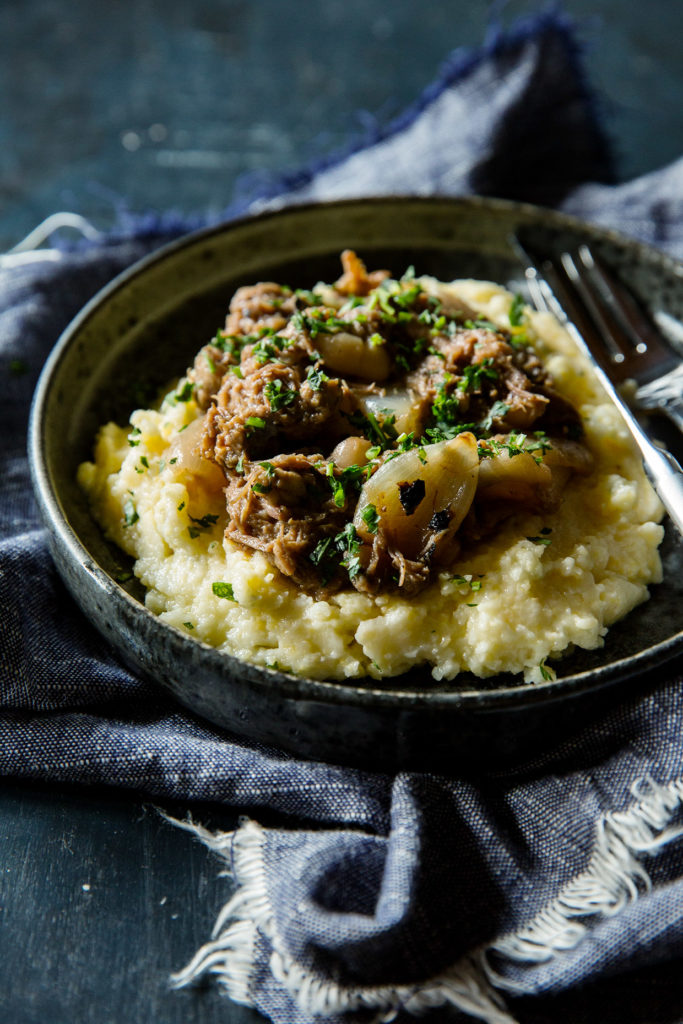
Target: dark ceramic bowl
{"type": "Point", "coordinates": [172, 302]}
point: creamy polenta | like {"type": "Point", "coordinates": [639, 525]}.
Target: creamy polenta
{"type": "Point", "coordinates": [524, 592]}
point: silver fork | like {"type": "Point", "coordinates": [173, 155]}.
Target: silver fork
{"type": "Point", "coordinates": [595, 308]}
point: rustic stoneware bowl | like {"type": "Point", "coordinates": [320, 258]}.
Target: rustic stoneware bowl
{"type": "Point", "coordinates": [146, 326]}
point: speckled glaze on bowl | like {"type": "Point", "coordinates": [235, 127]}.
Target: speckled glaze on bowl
{"type": "Point", "coordinates": [145, 328]}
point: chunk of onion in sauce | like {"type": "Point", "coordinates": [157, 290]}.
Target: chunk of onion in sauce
{"type": "Point", "coordinates": [351, 356]}
{"type": "Point", "coordinates": [400, 403]}
{"type": "Point", "coordinates": [532, 480]}
{"type": "Point", "coordinates": [184, 455]}
{"type": "Point", "coordinates": [448, 473]}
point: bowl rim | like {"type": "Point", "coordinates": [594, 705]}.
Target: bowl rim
{"type": "Point", "coordinates": [292, 685]}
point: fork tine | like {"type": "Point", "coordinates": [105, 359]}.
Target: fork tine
{"type": "Point", "coordinates": [550, 293]}
{"type": "Point", "coordinates": [610, 337]}
{"type": "Point", "coordinates": [655, 354]}
{"type": "Point", "coordinates": [618, 301]}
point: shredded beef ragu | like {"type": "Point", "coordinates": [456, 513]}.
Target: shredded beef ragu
{"type": "Point", "coordinates": [281, 423]}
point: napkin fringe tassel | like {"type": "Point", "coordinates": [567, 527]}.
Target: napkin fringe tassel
{"type": "Point", "coordinates": [248, 916]}
{"type": "Point", "coordinates": [613, 878]}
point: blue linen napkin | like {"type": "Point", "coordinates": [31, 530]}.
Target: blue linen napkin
{"type": "Point", "coordinates": [554, 892]}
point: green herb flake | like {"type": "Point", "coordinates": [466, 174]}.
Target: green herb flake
{"type": "Point", "coordinates": [370, 517]}
{"type": "Point", "coordinates": [316, 378]}
{"type": "Point", "coordinates": [516, 314]}
{"type": "Point", "coordinates": [123, 575]}
{"type": "Point", "coordinates": [184, 393]}
{"type": "Point", "coordinates": [188, 625]}
{"type": "Point", "coordinates": [475, 373]}
{"type": "Point", "coordinates": [543, 537]}
{"type": "Point", "coordinates": [278, 395]}
{"type": "Point", "coordinates": [547, 674]}
{"type": "Point", "coordinates": [134, 437]}
{"type": "Point", "coordinates": [224, 590]}
{"type": "Point", "coordinates": [349, 544]}
{"type": "Point", "coordinates": [204, 522]}
{"type": "Point", "coordinates": [498, 411]}
{"type": "Point", "coordinates": [181, 506]}
{"type": "Point", "coordinates": [130, 513]}
{"type": "Point", "coordinates": [254, 423]}
{"type": "Point", "coordinates": [467, 581]}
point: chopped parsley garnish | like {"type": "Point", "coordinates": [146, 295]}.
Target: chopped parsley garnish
{"type": "Point", "coordinates": [253, 423]}
{"type": "Point", "coordinates": [341, 551]}
{"type": "Point", "coordinates": [278, 394]}
{"type": "Point", "coordinates": [130, 513]}
{"type": "Point", "coordinates": [181, 506]}
{"type": "Point", "coordinates": [475, 373]}
{"type": "Point", "coordinates": [123, 575]}
{"type": "Point", "coordinates": [498, 411]}
{"type": "Point", "coordinates": [210, 363]}
{"type": "Point", "coordinates": [312, 298]}
{"type": "Point", "coordinates": [543, 537]}
{"type": "Point", "coordinates": [319, 323]}
{"type": "Point", "coordinates": [316, 378]}
{"type": "Point", "coordinates": [320, 550]}
{"type": "Point", "coordinates": [188, 625]}
{"type": "Point", "coordinates": [239, 465]}
{"type": "Point", "coordinates": [516, 314]}
{"type": "Point", "coordinates": [348, 543]}
{"type": "Point", "coordinates": [382, 432]}
{"type": "Point", "coordinates": [480, 322]}
{"type": "Point", "coordinates": [516, 444]}
{"type": "Point", "coordinates": [546, 673]}
{"type": "Point", "coordinates": [134, 437]}
{"type": "Point", "coordinates": [341, 480]}
{"type": "Point", "coordinates": [224, 590]}
{"type": "Point", "coordinates": [184, 393]}
{"type": "Point", "coordinates": [445, 406]}
{"type": "Point", "coordinates": [467, 581]}
{"type": "Point", "coordinates": [264, 350]}
{"type": "Point", "coordinates": [205, 521]}
{"type": "Point", "coordinates": [370, 517]}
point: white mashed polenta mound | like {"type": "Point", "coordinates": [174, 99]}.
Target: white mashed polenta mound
{"type": "Point", "coordinates": [526, 594]}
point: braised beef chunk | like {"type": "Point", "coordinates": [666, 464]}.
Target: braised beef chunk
{"type": "Point", "coordinates": [286, 508]}
{"type": "Point", "coordinates": [294, 387]}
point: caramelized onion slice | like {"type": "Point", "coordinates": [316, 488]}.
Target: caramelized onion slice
{"type": "Point", "coordinates": [351, 356]}
{"type": "Point", "coordinates": [184, 455]}
{"type": "Point", "coordinates": [419, 499]}
{"type": "Point", "coordinates": [533, 481]}
{"type": "Point", "coordinates": [400, 402]}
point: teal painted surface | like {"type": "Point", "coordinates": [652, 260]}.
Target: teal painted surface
{"type": "Point", "coordinates": [169, 103]}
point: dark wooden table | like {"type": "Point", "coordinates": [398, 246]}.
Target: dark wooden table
{"type": "Point", "coordinates": [168, 103]}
